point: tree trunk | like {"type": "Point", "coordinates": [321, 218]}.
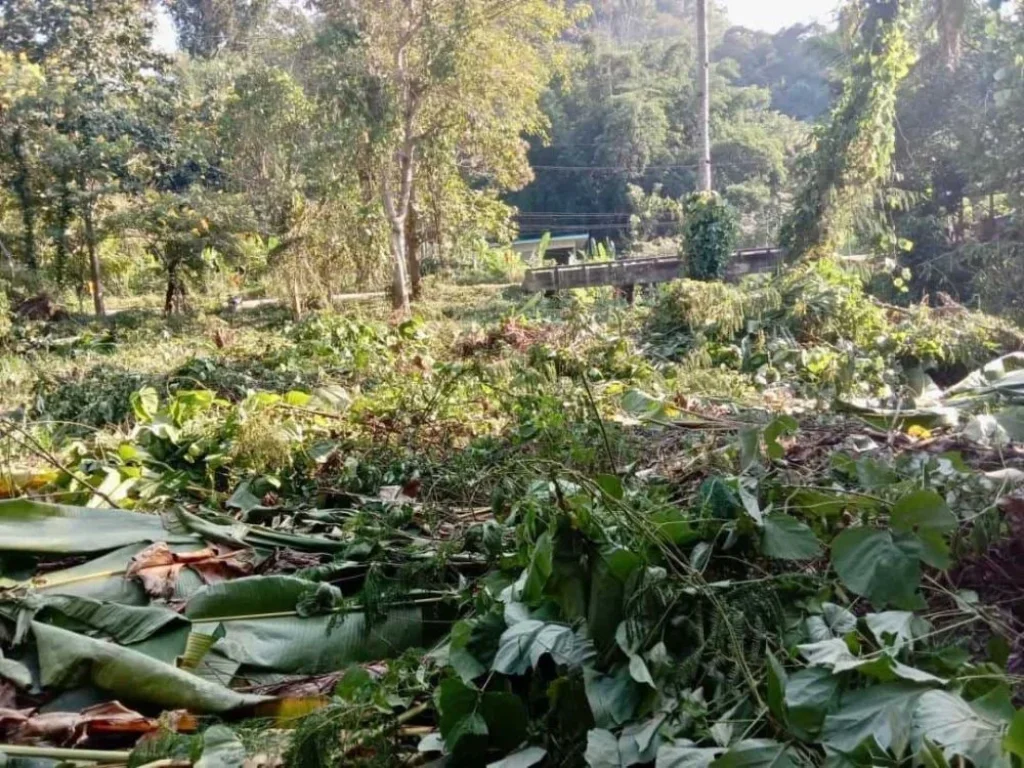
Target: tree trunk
{"type": "Point", "coordinates": [176, 295]}
{"type": "Point", "coordinates": [704, 87]}
{"type": "Point", "coordinates": [65, 210]}
{"type": "Point", "coordinates": [296, 300]}
{"type": "Point", "coordinates": [412, 253]}
{"type": "Point", "coordinates": [95, 271]}
{"type": "Point", "coordinates": [23, 190]}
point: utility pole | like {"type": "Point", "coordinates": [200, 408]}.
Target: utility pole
{"type": "Point", "coordinates": [704, 87]}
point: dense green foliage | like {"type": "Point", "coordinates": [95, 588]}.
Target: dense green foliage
{"type": "Point", "coordinates": [709, 235]}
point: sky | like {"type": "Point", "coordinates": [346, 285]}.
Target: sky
{"type": "Point", "coordinates": [767, 15]}
{"type": "Point", "coordinates": [773, 15]}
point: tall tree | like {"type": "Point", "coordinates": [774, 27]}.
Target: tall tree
{"type": "Point", "coordinates": [207, 27]}
{"type": "Point", "coordinates": [853, 151]}
{"type": "Point", "coordinates": [469, 69]}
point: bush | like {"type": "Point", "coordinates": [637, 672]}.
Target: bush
{"type": "Point", "coordinates": [710, 231]}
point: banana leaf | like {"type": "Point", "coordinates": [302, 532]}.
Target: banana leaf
{"type": "Point", "coordinates": [263, 629]}
{"type": "Point", "coordinates": [236, 534]}
{"type": "Point", "coordinates": [103, 578]}
{"type": "Point", "coordinates": [66, 657]}
{"type": "Point", "coordinates": [36, 527]}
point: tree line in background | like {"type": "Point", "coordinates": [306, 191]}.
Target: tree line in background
{"type": "Point", "coordinates": [351, 144]}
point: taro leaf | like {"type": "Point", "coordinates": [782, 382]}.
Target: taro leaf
{"type": "Point", "coordinates": [524, 758]}
{"type": "Point", "coordinates": [960, 729]}
{"type": "Point", "coordinates": [613, 698]}
{"type": "Point", "coordinates": [460, 721]}
{"type": "Point", "coordinates": [877, 565]}
{"type": "Point", "coordinates": [602, 749]}
{"type": "Point", "coordinates": [32, 526]}
{"type": "Point", "coordinates": [896, 628]}
{"type": "Point", "coordinates": [809, 696]}
{"type": "Point", "coordinates": [523, 644]}
{"type": "Point", "coordinates": [539, 571]}
{"type": "Point", "coordinates": [786, 538]}
{"type": "Point", "coordinates": [835, 655]}
{"type": "Point", "coordinates": [883, 712]}
{"type": "Point", "coordinates": [925, 514]}
{"type": "Point", "coordinates": [834, 621]}
{"type": "Point", "coordinates": [506, 718]}
{"type": "Point", "coordinates": [1014, 740]}
{"type": "Point", "coordinates": [471, 719]}
{"type": "Point", "coordinates": [262, 627]}
{"type": "Point", "coordinates": [128, 674]}
{"type": "Point", "coordinates": [639, 672]}
{"type": "Point", "coordinates": [757, 753]}
{"type": "Point", "coordinates": [221, 749]}
{"type": "Point", "coordinates": [639, 741]}
{"type": "Point", "coordinates": [685, 754]}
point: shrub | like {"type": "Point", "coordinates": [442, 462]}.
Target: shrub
{"type": "Point", "coordinates": [710, 232]}
{"type": "Point", "coordinates": [5, 316]}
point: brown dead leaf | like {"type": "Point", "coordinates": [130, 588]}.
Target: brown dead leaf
{"type": "Point", "coordinates": [158, 568]}
{"type": "Point", "coordinates": [75, 728]}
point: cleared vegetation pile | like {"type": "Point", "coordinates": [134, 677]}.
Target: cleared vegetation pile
{"type": "Point", "coordinates": [768, 525]}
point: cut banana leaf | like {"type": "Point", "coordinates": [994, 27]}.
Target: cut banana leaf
{"type": "Point", "coordinates": [124, 624]}
{"type": "Point", "coordinates": [64, 657]}
{"type": "Point", "coordinates": [263, 629]}
{"type": "Point", "coordinates": [104, 578]}
{"type": "Point", "coordinates": [35, 527]}
{"type": "Point", "coordinates": [236, 534]}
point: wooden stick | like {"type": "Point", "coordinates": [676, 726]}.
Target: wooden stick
{"type": "Point", "coordinates": [55, 753]}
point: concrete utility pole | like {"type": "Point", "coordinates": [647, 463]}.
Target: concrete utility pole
{"type": "Point", "coordinates": [704, 87]}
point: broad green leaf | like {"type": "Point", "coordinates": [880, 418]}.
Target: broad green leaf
{"type": "Point", "coordinates": [539, 571]}
{"type": "Point", "coordinates": [786, 538]}
{"type": "Point", "coordinates": [611, 486]}
{"type": "Point", "coordinates": [750, 448]}
{"type": "Point", "coordinates": [810, 694]}
{"type": "Point", "coordinates": [460, 719]}
{"type": "Point", "coordinates": [124, 624]}
{"type": "Point", "coordinates": [776, 688]}
{"type": "Point", "coordinates": [522, 645]}
{"type": "Point", "coordinates": [262, 627]}
{"type": "Point", "coordinates": [221, 749]}
{"type": "Point", "coordinates": [1014, 740]}
{"type": "Point", "coordinates": [639, 672]}
{"type": "Point", "coordinates": [757, 753]}
{"type": "Point", "coordinates": [524, 758]}
{"type": "Point", "coordinates": [15, 672]}
{"type": "Point", "coordinates": [835, 655]}
{"type": "Point", "coordinates": [930, 755]}
{"type": "Point", "coordinates": [685, 754]}
{"type": "Point", "coordinates": [35, 527]}
{"type": "Point", "coordinates": [506, 718]}
{"type": "Point", "coordinates": [834, 621]}
{"type": "Point", "coordinates": [876, 565]}
{"type": "Point", "coordinates": [883, 712]}
{"type": "Point", "coordinates": [602, 749]}
{"type": "Point", "coordinates": [145, 403]}
{"type": "Point", "coordinates": [897, 628]}
{"type": "Point", "coordinates": [242, 535]}
{"type": "Point", "coordinates": [925, 515]}
{"type": "Point", "coordinates": [960, 729]}
{"type": "Point", "coordinates": [129, 675]}
{"type": "Point", "coordinates": [783, 425]}
{"type": "Point", "coordinates": [613, 698]}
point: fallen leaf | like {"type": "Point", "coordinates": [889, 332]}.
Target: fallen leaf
{"type": "Point", "coordinates": [76, 728]}
{"type": "Point", "coordinates": [157, 567]}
